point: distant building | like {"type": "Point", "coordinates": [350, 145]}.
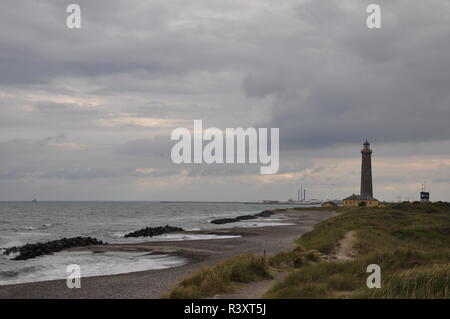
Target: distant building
{"type": "Point", "coordinates": [424, 195]}
{"type": "Point", "coordinates": [366, 198]}
{"type": "Point", "coordinates": [329, 204]}
{"type": "Point", "coordinates": [356, 200]}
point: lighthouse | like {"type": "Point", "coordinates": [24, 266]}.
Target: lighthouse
{"type": "Point", "coordinates": [366, 172]}
{"type": "Point", "coordinates": [366, 195]}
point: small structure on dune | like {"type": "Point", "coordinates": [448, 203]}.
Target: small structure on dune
{"type": "Point", "coordinates": [329, 204]}
{"type": "Point", "coordinates": [424, 195]}
{"type": "Point", "coordinates": [383, 205]}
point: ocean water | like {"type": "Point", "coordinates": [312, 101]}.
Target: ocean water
{"type": "Point", "coordinates": [22, 223]}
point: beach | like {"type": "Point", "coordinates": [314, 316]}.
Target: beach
{"type": "Point", "coordinates": [196, 253]}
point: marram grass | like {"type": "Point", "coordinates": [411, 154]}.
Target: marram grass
{"type": "Point", "coordinates": [223, 277]}
{"type": "Point", "coordinates": [410, 242]}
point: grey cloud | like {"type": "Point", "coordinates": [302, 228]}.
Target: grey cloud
{"type": "Point", "coordinates": [12, 175]}
{"type": "Point", "coordinates": [311, 68]}
{"type": "Point", "coordinates": [159, 146]}
{"type": "Point", "coordinates": [388, 85]}
{"type": "Point", "coordinates": [80, 173]}
{"type": "Point", "coordinates": [109, 42]}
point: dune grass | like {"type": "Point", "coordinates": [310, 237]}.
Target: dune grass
{"type": "Point", "coordinates": [294, 259]}
{"type": "Point", "coordinates": [410, 242]}
{"type": "Point", "coordinates": [222, 278]}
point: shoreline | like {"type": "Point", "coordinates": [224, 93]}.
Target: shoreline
{"type": "Point", "coordinates": [198, 253]}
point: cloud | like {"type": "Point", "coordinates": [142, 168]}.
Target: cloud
{"type": "Point", "coordinates": [99, 103]}
{"type": "Point", "coordinates": [79, 173]}
{"type": "Point", "coordinates": [159, 146]}
{"type": "Point", "coordinates": [69, 146]}
{"type": "Point", "coordinates": [351, 83]}
{"type": "Point", "coordinates": [149, 122]}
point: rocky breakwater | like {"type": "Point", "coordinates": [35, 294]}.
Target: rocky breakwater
{"type": "Point", "coordinates": [29, 251]}
{"type": "Point", "coordinates": [154, 231]}
{"type": "Point", "coordinates": [266, 213]}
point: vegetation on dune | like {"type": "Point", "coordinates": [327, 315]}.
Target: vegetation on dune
{"type": "Point", "coordinates": [294, 259]}
{"type": "Point", "coordinates": [410, 242]}
{"type": "Point", "coordinates": [405, 274]}
{"type": "Point", "coordinates": [223, 277]}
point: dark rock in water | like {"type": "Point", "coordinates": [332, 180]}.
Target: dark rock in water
{"type": "Point", "coordinates": [246, 217]}
{"type": "Point", "coordinates": [266, 213]}
{"type": "Point", "coordinates": [233, 220]}
{"type": "Point", "coordinates": [154, 231]}
{"type": "Point", "coordinates": [224, 221]}
{"type": "Point", "coordinates": [220, 221]}
{"type": "Point", "coordinates": [29, 251]}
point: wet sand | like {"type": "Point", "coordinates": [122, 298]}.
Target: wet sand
{"type": "Point", "coordinates": [198, 253]}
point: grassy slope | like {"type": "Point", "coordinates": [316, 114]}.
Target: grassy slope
{"type": "Point", "coordinates": [410, 242]}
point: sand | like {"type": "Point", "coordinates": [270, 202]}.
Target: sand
{"type": "Point", "coordinates": [198, 253]}
{"type": "Point", "coordinates": [344, 250]}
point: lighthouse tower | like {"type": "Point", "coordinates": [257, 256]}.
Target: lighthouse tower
{"type": "Point", "coordinates": [366, 196]}
{"type": "Point", "coordinates": [366, 172]}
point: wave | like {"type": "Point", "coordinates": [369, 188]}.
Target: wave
{"type": "Point", "coordinates": [182, 237]}
{"type": "Point", "coordinates": [12, 273]}
{"type": "Point", "coordinates": [12, 243]}
{"type": "Point", "coordinates": [119, 235]}
{"type": "Point", "coordinates": [43, 226]}
{"type": "Point", "coordinates": [54, 267]}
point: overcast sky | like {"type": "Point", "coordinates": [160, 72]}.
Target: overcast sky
{"type": "Point", "coordinates": [87, 114]}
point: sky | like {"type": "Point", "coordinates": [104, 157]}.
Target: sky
{"type": "Point", "coordinates": [87, 114]}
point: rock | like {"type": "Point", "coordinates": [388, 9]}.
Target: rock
{"type": "Point", "coordinates": [224, 221]}
{"type": "Point", "coordinates": [154, 231]}
{"type": "Point", "coordinates": [220, 221]}
{"type": "Point", "coordinates": [246, 217]}
{"type": "Point", "coordinates": [29, 251]}
{"type": "Point", "coordinates": [266, 213]}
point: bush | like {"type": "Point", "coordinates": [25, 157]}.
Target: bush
{"type": "Point", "coordinates": [222, 278]}
{"type": "Point", "coordinates": [291, 259]}
{"type": "Point", "coordinates": [418, 283]}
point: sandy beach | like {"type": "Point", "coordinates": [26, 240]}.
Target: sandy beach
{"type": "Point", "coordinates": [198, 253]}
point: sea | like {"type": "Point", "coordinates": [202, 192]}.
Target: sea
{"type": "Point", "coordinates": [31, 222]}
